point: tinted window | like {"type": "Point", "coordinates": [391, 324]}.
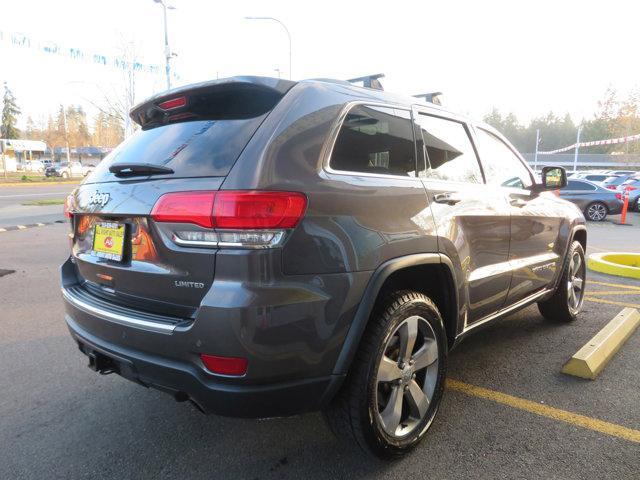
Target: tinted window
{"type": "Point", "coordinates": [375, 140]}
{"type": "Point", "coordinates": [450, 155]}
{"type": "Point", "coordinates": [596, 178]}
{"type": "Point", "coordinates": [191, 149]}
{"type": "Point", "coordinates": [501, 166]}
{"type": "Point", "coordinates": [574, 185]}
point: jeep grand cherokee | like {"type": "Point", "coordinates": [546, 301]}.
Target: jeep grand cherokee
{"type": "Point", "coordinates": [263, 247]}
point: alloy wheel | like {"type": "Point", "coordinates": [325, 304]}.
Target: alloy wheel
{"type": "Point", "coordinates": [575, 282]}
{"type": "Point", "coordinates": [406, 377]}
{"type": "Point", "coordinates": [597, 212]}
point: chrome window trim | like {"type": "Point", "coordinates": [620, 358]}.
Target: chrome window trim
{"type": "Point", "coordinates": [327, 148]}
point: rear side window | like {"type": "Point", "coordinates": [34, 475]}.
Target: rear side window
{"type": "Point", "coordinates": [501, 166]}
{"type": "Point", "coordinates": [376, 140]}
{"type": "Point", "coordinates": [450, 155]}
{"type": "Point", "coordinates": [204, 148]}
{"type": "Point", "coordinates": [574, 185]}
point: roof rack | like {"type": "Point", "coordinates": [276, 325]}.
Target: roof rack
{"type": "Point", "coordinates": [433, 97]}
{"type": "Point", "coordinates": [369, 81]}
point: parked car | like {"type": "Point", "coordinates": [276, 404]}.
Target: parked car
{"type": "Point", "coordinates": [87, 169]}
{"type": "Point", "coordinates": [263, 247]}
{"type": "Point", "coordinates": [613, 182]}
{"type": "Point", "coordinates": [593, 177]}
{"type": "Point", "coordinates": [64, 170]}
{"type": "Point", "coordinates": [624, 172]}
{"type": "Point", "coordinates": [632, 185]}
{"type": "Point", "coordinates": [595, 201]}
{"type": "Point", "coordinates": [35, 166]}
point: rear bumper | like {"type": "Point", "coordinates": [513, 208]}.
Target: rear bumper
{"type": "Point", "coordinates": [291, 341]}
{"type": "Point", "coordinates": [184, 381]}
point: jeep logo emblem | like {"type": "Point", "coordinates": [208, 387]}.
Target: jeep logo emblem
{"type": "Point", "coordinates": [98, 198]}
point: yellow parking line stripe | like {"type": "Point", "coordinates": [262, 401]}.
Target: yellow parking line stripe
{"type": "Point", "coordinates": [612, 292]}
{"type": "Point", "coordinates": [620, 285]}
{"type": "Point", "coordinates": [611, 302]}
{"type": "Point", "coordinates": [546, 411]}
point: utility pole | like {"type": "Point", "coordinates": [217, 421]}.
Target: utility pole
{"type": "Point", "coordinates": [66, 133]}
{"type": "Point", "coordinates": [575, 156]}
{"type": "Point", "coordinates": [167, 50]}
{"type": "Point", "coordinates": [535, 157]}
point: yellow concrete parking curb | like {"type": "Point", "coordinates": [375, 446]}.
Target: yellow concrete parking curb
{"type": "Point", "coordinates": [622, 264]}
{"type": "Point", "coordinates": [591, 359]}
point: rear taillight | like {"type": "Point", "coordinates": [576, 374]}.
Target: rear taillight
{"type": "Point", "coordinates": [68, 206]}
{"type": "Point", "coordinates": [258, 210]}
{"type": "Point", "coordinates": [611, 187]}
{"type": "Point", "coordinates": [185, 207]}
{"type": "Point", "coordinates": [630, 188]}
{"type": "Point", "coordinates": [245, 219]}
{"type": "Point", "coordinates": [619, 196]}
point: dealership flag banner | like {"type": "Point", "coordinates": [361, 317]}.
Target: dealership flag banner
{"type": "Point", "coordinates": [609, 141]}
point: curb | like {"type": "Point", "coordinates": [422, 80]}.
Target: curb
{"type": "Point", "coordinates": [24, 227]}
{"type": "Point", "coordinates": [591, 359]}
{"type": "Point", "coordinates": [615, 263]}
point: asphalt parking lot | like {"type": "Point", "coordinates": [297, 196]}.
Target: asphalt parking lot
{"type": "Point", "coordinates": [61, 420]}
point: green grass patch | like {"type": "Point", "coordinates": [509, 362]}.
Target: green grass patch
{"type": "Point", "coordinates": [42, 203]}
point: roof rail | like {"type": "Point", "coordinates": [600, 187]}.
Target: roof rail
{"type": "Point", "coordinates": [433, 97]}
{"type": "Point", "coordinates": [369, 81]}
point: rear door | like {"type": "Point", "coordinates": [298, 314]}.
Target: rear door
{"type": "Point", "coordinates": [187, 143]}
{"type": "Point", "coordinates": [534, 251]}
{"type": "Point", "coordinates": [472, 220]}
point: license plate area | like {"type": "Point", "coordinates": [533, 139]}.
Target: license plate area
{"type": "Point", "coordinates": [109, 240]}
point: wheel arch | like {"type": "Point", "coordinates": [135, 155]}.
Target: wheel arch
{"type": "Point", "coordinates": [436, 279]}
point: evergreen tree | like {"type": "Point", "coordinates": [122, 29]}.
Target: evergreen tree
{"type": "Point", "coordinates": [10, 112]}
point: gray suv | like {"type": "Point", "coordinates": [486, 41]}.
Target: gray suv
{"type": "Point", "coordinates": [264, 247]}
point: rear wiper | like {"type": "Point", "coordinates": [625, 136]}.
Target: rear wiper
{"type": "Point", "coordinates": [134, 169]}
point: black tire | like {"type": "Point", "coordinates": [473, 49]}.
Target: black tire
{"type": "Point", "coordinates": [559, 307]}
{"type": "Point", "coordinates": [596, 212]}
{"type": "Point", "coordinates": [354, 414]}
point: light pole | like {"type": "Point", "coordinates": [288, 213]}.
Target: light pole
{"type": "Point", "coordinates": [285, 29]}
{"type": "Point", "coordinates": [167, 50]}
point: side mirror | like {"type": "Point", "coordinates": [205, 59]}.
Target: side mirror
{"type": "Point", "coordinates": [553, 178]}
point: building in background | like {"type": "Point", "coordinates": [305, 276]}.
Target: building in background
{"type": "Point", "coordinates": [21, 155]}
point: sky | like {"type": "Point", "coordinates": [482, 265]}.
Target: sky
{"type": "Point", "coordinates": [527, 57]}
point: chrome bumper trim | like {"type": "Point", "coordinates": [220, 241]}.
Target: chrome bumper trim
{"type": "Point", "coordinates": [116, 317]}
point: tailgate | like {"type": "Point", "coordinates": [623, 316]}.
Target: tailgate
{"type": "Point", "coordinates": [148, 271]}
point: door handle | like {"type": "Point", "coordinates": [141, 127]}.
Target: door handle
{"type": "Point", "coordinates": [446, 198]}
{"type": "Point", "coordinates": [517, 202]}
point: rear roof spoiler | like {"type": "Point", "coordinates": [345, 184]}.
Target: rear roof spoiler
{"type": "Point", "coordinates": [147, 109]}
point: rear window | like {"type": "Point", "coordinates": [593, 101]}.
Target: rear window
{"type": "Point", "coordinates": [203, 148]}
{"type": "Point", "coordinates": [574, 185]}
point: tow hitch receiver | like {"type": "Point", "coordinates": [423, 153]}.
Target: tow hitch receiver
{"type": "Point", "coordinates": [101, 363]}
